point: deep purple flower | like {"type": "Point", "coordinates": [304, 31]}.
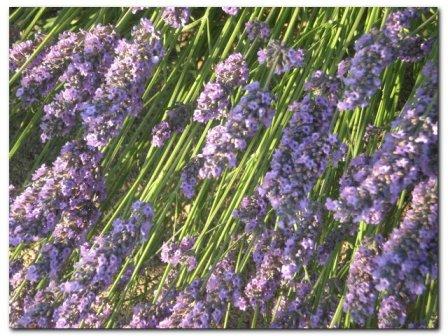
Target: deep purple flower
{"type": "Point", "coordinates": [361, 294]}
{"type": "Point", "coordinates": [411, 252]}
{"type": "Point", "coordinates": [179, 253]}
{"type": "Point", "coordinates": [177, 119]}
{"type": "Point", "coordinates": [392, 313]}
{"type": "Point", "coordinates": [62, 199]}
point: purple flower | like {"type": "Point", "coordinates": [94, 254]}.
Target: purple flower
{"type": "Point", "coordinates": [374, 51]}
{"type": "Point", "coordinates": [257, 29]}
{"type": "Point", "coordinates": [98, 265]}
{"type": "Point", "coordinates": [280, 57]}
{"type": "Point", "coordinates": [83, 75]}
{"type": "Point", "coordinates": [361, 294]}
{"type": "Point", "coordinates": [179, 253]}
{"type": "Point", "coordinates": [38, 80]}
{"type": "Point", "coordinates": [224, 142]}
{"type": "Point", "coordinates": [176, 17]}
{"type": "Point", "coordinates": [120, 93]}
{"type": "Point", "coordinates": [21, 51]}
{"type": "Point", "coordinates": [231, 10]}
{"type": "Point", "coordinates": [62, 199]}
{"type": "Point", "coordinates": [371, 186]}
{"type": "Point", "coordinates": [411, 252]}
{"type": "Point", "coordinates": [213, 102]}
{"type": "Point", "coordinates": [392, 313]}
{"type": "Point", "coordinates": [232, 72]}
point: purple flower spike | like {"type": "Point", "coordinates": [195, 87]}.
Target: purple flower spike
{"type": "Point", "coordinates": [179, 253]}
{"type": "Point", "coordinates": [257, 29]}
{"type": "Point", "coordinates": [176, 17]}
{"type": "Point", "coordinates": [82, 77]}
{"type": "Point", "coordinates": [231, 10]}
{"type": "Point", "coordinates": [212, 103]}
{"type": "Point", "coordinates": [21, 51]}
{"type": "Point", "coordinates": [409, 153]}
{"type": "Point", "coordinates": [120, 94]}
{"type": "Point", "coordinates": [99, 263]}
{"type": "Point", "coordinates": [280, 57]}
{"type": "Point", "coordinates": [38, 80]}
{"type": "Point", "coordinates": [361, 293]}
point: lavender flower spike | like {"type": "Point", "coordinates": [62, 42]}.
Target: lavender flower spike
{"type": "Point", "coordinates": [176, 17]}
{"type": "Point", "coordinates": [280, 57]}
{"type": "Point", "coordinates": [120, 94]}
{"type": "Point", "coordinates": [231, 10]}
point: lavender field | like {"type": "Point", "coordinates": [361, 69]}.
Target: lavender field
{"type": "Point", "coordinates": [223, 167]}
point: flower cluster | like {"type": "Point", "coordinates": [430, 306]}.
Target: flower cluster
{"type": "Point", "coordinates": [409, 153]}
{"type": "Point", "coordinates": [62, 200]}
{"type": "Point", "coordinates": [361, 293]}
{"type": "Point", "coordinates": [38, 80]}
{"type": "Point", "coordinates": [177, 119]}
{"type": "Point", "coordinates": [21, 51]}
{"type": "Point", "coordinates": [252, 211]}
{"type": "Point", "coordinates": [123, 85]}
{"type": "Point", "coordinates": [189, 177]}
{"type": "Point", "coordinates": [87, 67]}
{"type": "Point", "coordinates": [176, 17]}
{"type": "Point", "coordinates": [392, 313]}
{"type": "Point", "coordinates": [411, 252]}
{"type": "Point", "coordinates": [213, 102]}
{"type": "Point", "coordinates": [305, 151]}
{"type": "Point", "coordinates": [99, 263]}
{"type": "Point", "coordinates": [374, 51]}
{"type": "Point", "coordinates": [223, 142]}
{"type": "Point", "coordinates": [257, 29]}
{"type": "Point", "coordinates": [179, 253]}
{"type": "Point", "coordinates": [280, 58]}
{"type": "Point", "coordinates": [231, 10]}
{"type": "Point", "coordinates": [202, 303]}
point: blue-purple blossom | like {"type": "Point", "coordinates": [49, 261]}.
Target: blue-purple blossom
{"type": "Point", "coordinates": [214, 100]}
{"type": "Point", "coordinates": [177, 119]}
{"type": "Point", "coordinates": [19, 52]}
{"type": "Point", "coordinates": [99, 263]}
{"type": "Point", "coordinates": [410, 254]}
{"type": "Point", "coordinates": [257, 29]}
{"type": "Point", "coordinates": [280, 57]}
{"type": "Point", "coordinates": [392, 313]}
{"type": "Point", "coordinates": [408, 154]}
{"type": "Point", "coordinates": [120, 94]}
{"type": "Point", "coordinates": [83, 75]}
{"type": "Point", "coordinates": [374, 51]}
{"type": "Point", "coordinates": [179, 253]}
{"type": "Point", "coordinates": [37, 81]}
{"type": "Point", "coordinates": [62, 200]}
{"type": "Point", "coordinates": [176, 17]}
{"type": "Point", "coordinates": [305, 151]}
{"type": "Point", "coordinates": [361, 295]}
{"type": "Point", "coordinates": [224, 142]}
{"type": "Point", "coordinates": [232, 72]}
{"type": "Point", "coordinates": [231, 10]}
